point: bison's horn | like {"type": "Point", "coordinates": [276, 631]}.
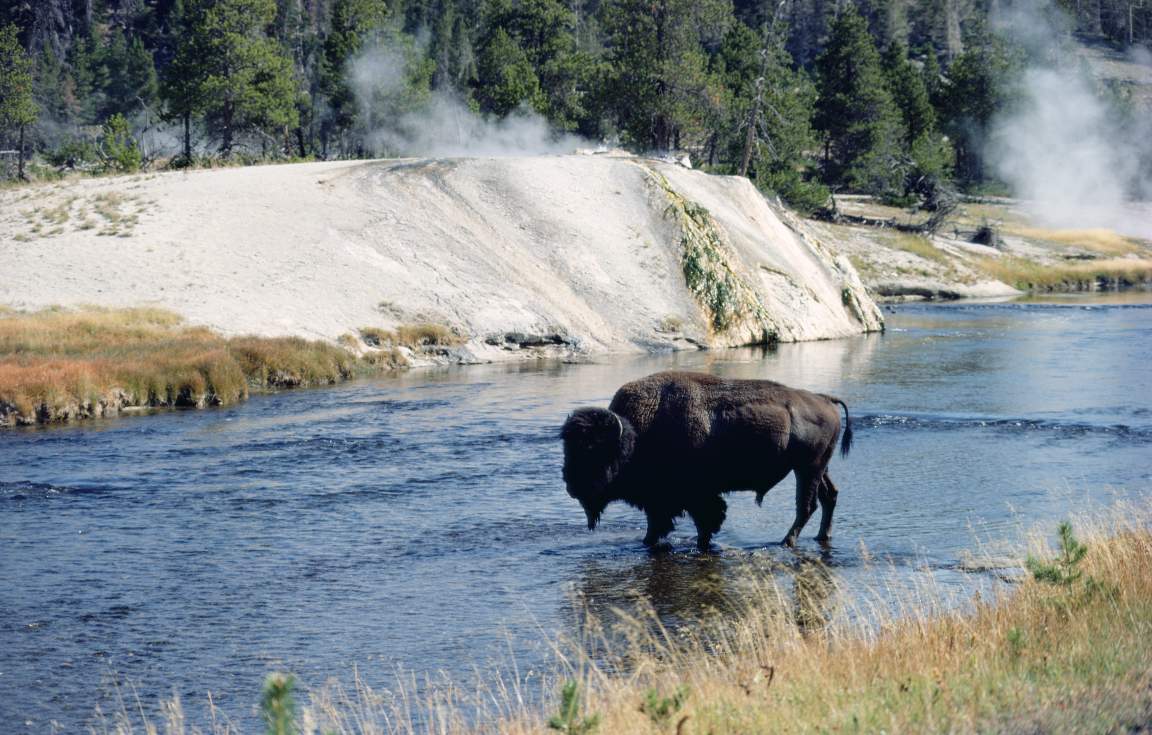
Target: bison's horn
{"type": "Point", "coordinates": [618, 423]}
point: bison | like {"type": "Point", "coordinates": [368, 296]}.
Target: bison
{"type": "Point", "coordinates": [675, 442]}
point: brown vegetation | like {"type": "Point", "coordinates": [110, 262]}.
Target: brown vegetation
{"type": "Point", "coordinates": [1079, 275]}
{"type": "Point", "coordinates": [413, 336]}
{"type": "Point", "coordinates": [1097, 240]}
{"type": "Point", "coordinates": [57, 365]}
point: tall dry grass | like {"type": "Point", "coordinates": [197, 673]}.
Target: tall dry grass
{"type": "Point", "coordinates": [1074, 275]}
{"type": "Point", "coordinates": [918, 245]}
{"type": "Point", "coordinates": [58, 364]}
{"type": "Point", "coordinates": [1108, 242]}
{"type": "Point", "coordinates": [1034, 657]}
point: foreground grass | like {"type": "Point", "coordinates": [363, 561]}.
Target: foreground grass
{"type": "Point", "coordinates": [1069, 656]}
{"type": "Point", "coordinates": [1069, 649]}
{"type": "Point", "coordinates": [59, 365]}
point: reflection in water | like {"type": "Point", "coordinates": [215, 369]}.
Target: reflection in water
{"type": "Point", "coordinates": [660, 596]}
{"type": "Point", "coordinates": [813, 588]}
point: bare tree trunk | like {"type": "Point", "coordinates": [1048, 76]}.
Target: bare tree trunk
{"type": "Point", "coordinates": [188, 137]}
{"type": "Point", "coordinates": [750, 136]}
{"type": "Point", "coordinates": [754, 113]}
{"type": "Point", "coordinates": [20, 156]}
{"type": "Point", "coordinates": [953, 33]}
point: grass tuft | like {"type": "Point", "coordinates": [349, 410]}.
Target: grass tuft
{"type": "Point", "coordinates": [59, 365]}
{"type": "Point", "coordinates": [412, 336]}
{"type": "Point", "coordinates": [918, 245]}
{"type": "Point", "coordinates": [1085, 275]}
{"type": "Point", "coordinates": [1108, 242]}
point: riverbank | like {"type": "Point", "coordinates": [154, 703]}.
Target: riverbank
{"type": "Point", "coordinates": [988, 248]}
{"type": "Point", "coordinates": [1064, 649]}
{"type": "Point", "coordinates": [62, 365]}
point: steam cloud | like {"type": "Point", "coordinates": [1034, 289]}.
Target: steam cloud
{"type": "Point", "coordinates": [1063, 147]}
{"type": "Point", "coordinates": [442, 125]}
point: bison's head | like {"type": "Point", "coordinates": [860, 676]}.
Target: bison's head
{"type": "Point", "coordinates": [597, 444]}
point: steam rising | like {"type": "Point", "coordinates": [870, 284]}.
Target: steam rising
{"type": "Point", "coordinates": [441, 124]}
{"type": "Point", "coordinates": [1063, 147]}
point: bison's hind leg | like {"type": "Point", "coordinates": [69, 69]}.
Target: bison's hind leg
{"type": "Point", "coordinates": [808, 484]}
{"type": "Point", "coordinates": [708, 514]}
{"type": "Point", "coordinates": [827, 495]}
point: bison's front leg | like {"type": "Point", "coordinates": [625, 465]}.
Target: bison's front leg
{"type": "Point", "coordinates": [660, 524]}
{"type": "Point", "coordinates": [807, 488]}
{"type": "Point", "coordinates": [708, 514]}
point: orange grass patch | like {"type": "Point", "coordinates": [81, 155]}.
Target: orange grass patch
{"type": "Point", "coordinates": [57, 365]}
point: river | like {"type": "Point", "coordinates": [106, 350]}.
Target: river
{"type": "Point", "coordinates": [419, 523]}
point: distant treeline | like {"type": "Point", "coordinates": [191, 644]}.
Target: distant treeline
{"type": "Point", "coordinates": [891, 97]}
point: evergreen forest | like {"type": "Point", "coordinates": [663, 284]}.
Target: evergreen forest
{"type": "Point", "coordinates": [892, 98]}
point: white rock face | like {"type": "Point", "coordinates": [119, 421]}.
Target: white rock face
{"type": "Point", "coordinates": [587, 250]}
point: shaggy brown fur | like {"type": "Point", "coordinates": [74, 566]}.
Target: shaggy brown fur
{"type": "Point", "coordinates": [674, 442]}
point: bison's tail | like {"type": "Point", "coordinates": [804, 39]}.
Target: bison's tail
{"type": "Point", "coordinates": [846, 437]}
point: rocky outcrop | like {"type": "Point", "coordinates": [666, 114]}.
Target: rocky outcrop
{"type": "Point", "coordinates": [522, 256]}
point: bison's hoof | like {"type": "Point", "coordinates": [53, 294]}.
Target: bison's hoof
{"type": "Point", "coordinates": [788, 542]}
{"type": "Point", "coordinates": [823, 540]}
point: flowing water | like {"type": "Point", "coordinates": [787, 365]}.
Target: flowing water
{"type": "Point", "coordinates": [419, 522]}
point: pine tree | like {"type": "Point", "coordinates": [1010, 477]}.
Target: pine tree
{"type": "Point", "coordinates": [769, 126]}
{"type": "Point", "coordinates": [659, 87]}
{"type": "Point", "coordinates": [978, 86]}
{"type": "Point", "coordinates": [440, 46]}
{"type": "Point", "coordinates": [129, 77]}
{"type": "Point", "coordinates": [17, 109]}
{"type": "Point", "coordinates": [507, 78]}
{"type": "Point", "coordinates": [181, 89]}
{"type": "Point", "coordinates": [545, 30]}
{"type": "Point", "coordinates": [353, 23]}
{"type": "Point", "coordinates": [808, 22]}
{"type": "Point", "coordinates": [228, 70]}
{"type": "Point", "coordinates": [855, 112]}
{"type": "Point", "coordinates": [909, 93]}
{"type": "Point", "coordinates": [933, 78]}
{"type": "Point", "coordinates": [928, 156]}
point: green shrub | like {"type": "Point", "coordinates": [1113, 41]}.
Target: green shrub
{"type": "Point", "coordinates": [568, 719]}
{"type": "Point", "coordinates": [277, 708]}
{"type": "Point", "coordinates": [661, 709]}
{"type": "Point", "coordinates": [1064, 569]}
{"type": "Point", "coordinates": [73, 152]}
{"type": "Point", "coordinates": [118, 149]}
